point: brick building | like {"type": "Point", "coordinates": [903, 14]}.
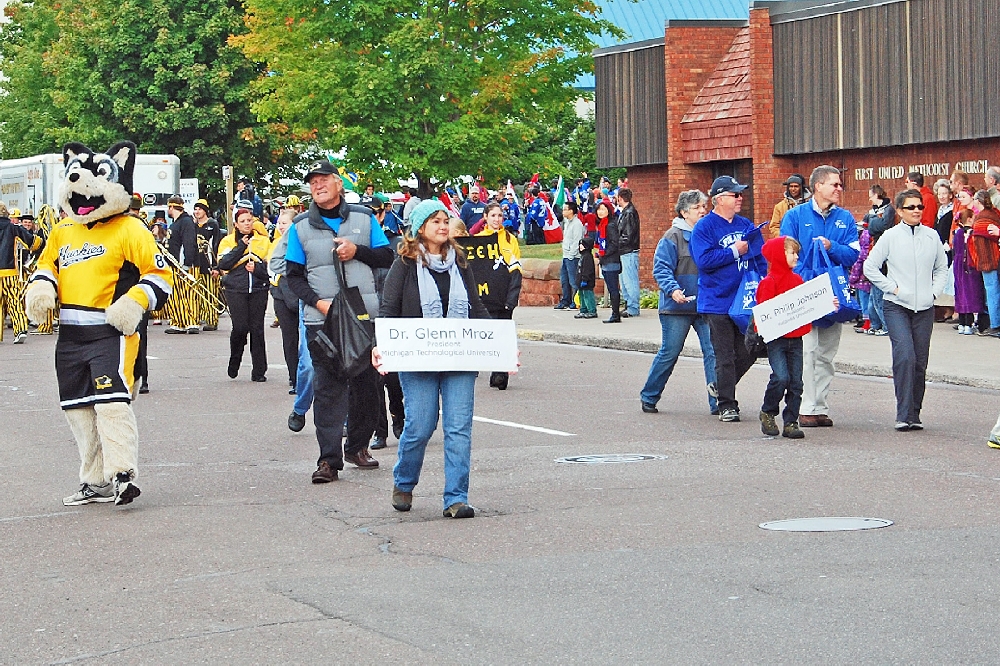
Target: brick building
{"type": "Point", "coordinates": [874, 87]}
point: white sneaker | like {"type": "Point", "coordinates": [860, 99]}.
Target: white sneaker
{"type": "Point", "coordinates": [21, 337]}
{"type": "Point", "coordinates": [125, 489]}
{"type": "Point", "coordinates": [89, 494]}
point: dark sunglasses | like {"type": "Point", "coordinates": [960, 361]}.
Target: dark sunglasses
{"type": "Point", "coordinates": [913, 207]}
{"type": "Point", "coordinates": [738, 195]}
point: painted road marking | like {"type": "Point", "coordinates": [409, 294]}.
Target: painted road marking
{"type": "Point", "coordinates": [511, 424]}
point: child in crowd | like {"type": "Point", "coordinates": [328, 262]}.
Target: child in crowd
{"type": "Point", "coordinates": [859, 282]}
{"type": "Point", "coordinates": [586, 277]}
{"type": "Point", "coordinates": [785, 353]}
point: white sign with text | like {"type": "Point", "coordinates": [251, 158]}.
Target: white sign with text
{"type": "Point", "coordinates": [796, 307]}
{"type": "Point", "coordinates": [441, 345]}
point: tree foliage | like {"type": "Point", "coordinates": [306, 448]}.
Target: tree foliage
{"type": "Point", "coordinates": [432, 88]}
{"type": "Point", "coordinates": [159, 72]}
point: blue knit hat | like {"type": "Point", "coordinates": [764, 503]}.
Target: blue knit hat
{"type": "Point", "coordinates": [421, 212]}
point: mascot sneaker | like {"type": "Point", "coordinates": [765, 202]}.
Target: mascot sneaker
{"type": "Point", "coordinates": [89, 494]}
{"type": "Point", "coordinates": [125, 489]}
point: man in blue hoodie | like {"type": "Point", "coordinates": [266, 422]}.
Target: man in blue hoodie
{"type": "Point", "coordinates": [824, 220]}
{"type": "Point", "coordinates": [723, 245]}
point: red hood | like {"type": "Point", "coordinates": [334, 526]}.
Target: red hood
{"type": "Point", "coordinates": [774, 252]}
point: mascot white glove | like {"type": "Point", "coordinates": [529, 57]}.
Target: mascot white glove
{"type": "Point", "coordinates": [125, 315]}
{"type": "Point", "coordinates": [39, 300]}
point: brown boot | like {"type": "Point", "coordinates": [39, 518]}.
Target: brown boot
{"type": "Point", "coordinates": [362, 458]}
{"type": "Point", "coordinates": [324, 473]}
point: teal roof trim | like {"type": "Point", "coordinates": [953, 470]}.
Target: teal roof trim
{"type": "Point", "coordinates": [644, 20]}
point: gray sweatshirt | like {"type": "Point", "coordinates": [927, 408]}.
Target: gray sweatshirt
{"type": "Point", "coordinates": [917, 266]}
{"type": "Point", "coordinates": [572, 235]}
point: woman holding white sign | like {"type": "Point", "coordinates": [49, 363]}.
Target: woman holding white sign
{"type": "Point", "coordinates": [917, 271]}
{"type": "Point", "coordinates": [430, 279]}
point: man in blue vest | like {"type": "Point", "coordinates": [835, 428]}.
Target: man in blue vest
{"type": "Point", "coordinates": [332, 225]}
{"type": "Point", "coordinates": [822, 219]}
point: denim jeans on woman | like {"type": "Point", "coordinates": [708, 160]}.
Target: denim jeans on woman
{"type": "Point", "coordinates": [992, 283]}
{"type": "Point", "coordinates": [304, 373]}
{"type": "Point", "coordinates": [675, 328]}
{"type": "Point", "coordinates": [422, 394]}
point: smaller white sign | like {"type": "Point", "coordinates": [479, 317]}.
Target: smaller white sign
{"type": "Point", "coordinates": [443, 345]}
{"type": "Point", "coordinates": [796, 307]}
{"type": "Point", "coordinates": [189, 191]}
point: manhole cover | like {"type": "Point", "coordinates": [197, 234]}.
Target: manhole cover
{"type": "Point", "coordinates": [826, 524]}
{"type": "Point", "coordinates": [609, 458]}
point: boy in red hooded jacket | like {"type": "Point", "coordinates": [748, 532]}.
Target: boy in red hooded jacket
{"type": "Point", "coordinates": [784, 353]}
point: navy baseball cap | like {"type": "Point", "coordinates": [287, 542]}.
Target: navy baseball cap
{"type": "Point", "coordinates": [725, 184]}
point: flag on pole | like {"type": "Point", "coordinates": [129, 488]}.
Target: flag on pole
{"type": "Point", "coordinates": [560, 199]}
{"type": "Point", "coordinates": [552, 230]}
{"type": "Point", "coordinates": [534, 181]}
{"type": "Point", "coordinates": [349, 177]}
{"type": "Point", "coordinates": [449, 204]}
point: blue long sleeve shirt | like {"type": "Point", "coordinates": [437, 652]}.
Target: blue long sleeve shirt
{"type": "Point", "coordinates": [804, 223]}
{"type": "Point", "coordinates": [719, 265]}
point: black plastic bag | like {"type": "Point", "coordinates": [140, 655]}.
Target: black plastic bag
{"type": "Point", "coordinates": [344, 345]}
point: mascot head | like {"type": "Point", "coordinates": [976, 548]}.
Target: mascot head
{"type": "Point", "coordinates": [97, 185]}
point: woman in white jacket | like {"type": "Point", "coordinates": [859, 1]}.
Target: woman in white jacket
{"type": "Point", "coordinates": [916, 273]}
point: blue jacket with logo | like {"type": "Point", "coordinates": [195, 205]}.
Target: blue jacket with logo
{"type": "Point", "coordinates": [804, 223]}
{"type": "Point", "coordinates": [719, 270]}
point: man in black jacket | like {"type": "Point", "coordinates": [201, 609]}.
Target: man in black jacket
{"type": "Point", "coordinates": [182, 308]}
{"type": "Point", "coordinates": [206, 263]}
{"type": "Point", "coordinates": [331, 225]}
{"type": "Point", "coordinates": [628, 242]}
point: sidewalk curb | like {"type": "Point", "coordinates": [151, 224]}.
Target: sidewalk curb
{"type": "Point", "coordinates": [843, 367]}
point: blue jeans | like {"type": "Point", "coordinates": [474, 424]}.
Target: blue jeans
{"type": "Point", "coordinates": [992, 284]}
{"type": "Point", "coordinates": [876, 309]}
{"type": "Point", "coordinates": [567, 278]}
{"type": "Point", "coordinates": [785, 357]}
{"type": "Point", "coordinates": [674, 328]}
{"type": "Point", "coordinates": [630, 283]}
{"type": "Point", "coordinates": [304, 373]}
{"type": "Point", "coordinates": [865, 298]}
{"type": "Point", "coordinates": [421, 392]}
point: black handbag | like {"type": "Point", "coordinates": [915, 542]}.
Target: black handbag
{"type": "Point", "coordinates": [344, 345]}
{"type": "Point", "coordinates": [755, 342]}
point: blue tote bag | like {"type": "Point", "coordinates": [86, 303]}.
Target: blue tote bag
{"type": "Point", "coordinates": [817, 262]}
{"type": "Point", "coordinates": [741, 310]}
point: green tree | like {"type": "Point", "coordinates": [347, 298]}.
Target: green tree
{"type": "Point", "coordinates": [160, 73]}
{"type": "Point", "coordinates": [432, 88]}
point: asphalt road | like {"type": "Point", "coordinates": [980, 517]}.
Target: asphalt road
{"type": "Point", "coordinates": [231, 556]}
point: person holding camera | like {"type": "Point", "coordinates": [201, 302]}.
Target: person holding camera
{"type": "Point", "coordinates": [243, 259]}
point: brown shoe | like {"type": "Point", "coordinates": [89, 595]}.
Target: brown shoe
{"type": "Point", "coordinates": [361, 458]}
{"type": "Point", "coordinates": [401, 500]}
{"type": "Point", "coordinates": [808, 421]}
{"type": "Point", "coordinates": [824, 421]}
{"type": "Point", "coordinates": [324, 473]}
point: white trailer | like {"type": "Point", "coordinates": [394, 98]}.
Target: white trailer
{"type": "Point", "coordinates": [32, 182]}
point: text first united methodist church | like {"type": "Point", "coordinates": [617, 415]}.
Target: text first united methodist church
{"type": "Point", "coordinates": [876, 88]}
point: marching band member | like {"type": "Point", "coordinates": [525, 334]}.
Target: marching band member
{"type": "Point", "coordinates": [206, 265]}
{"type": "Point", "coordinates": [183, 246]}
{"type": "Point", "coordinates": [242, 257]}
{"type": "Point", "coordinates": [11, 284]}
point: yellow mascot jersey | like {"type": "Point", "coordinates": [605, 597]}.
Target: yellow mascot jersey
{"type": "Point", "coordinates": [92, 266]}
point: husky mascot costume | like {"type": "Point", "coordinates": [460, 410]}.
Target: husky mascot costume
{"type": "Point", "coordinates": [106, 270]}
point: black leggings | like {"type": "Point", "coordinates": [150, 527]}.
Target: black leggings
{"type": "Point", "coordinates": [247, 312]}
{"type": "Point", "coordinates": [288, 320]}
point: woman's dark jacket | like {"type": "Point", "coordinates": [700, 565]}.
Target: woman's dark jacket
{"type": "Point", "coordinates": [401, 295]}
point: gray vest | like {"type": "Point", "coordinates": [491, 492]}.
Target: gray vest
{"type": "Point", "coordinates": [320, 268]}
